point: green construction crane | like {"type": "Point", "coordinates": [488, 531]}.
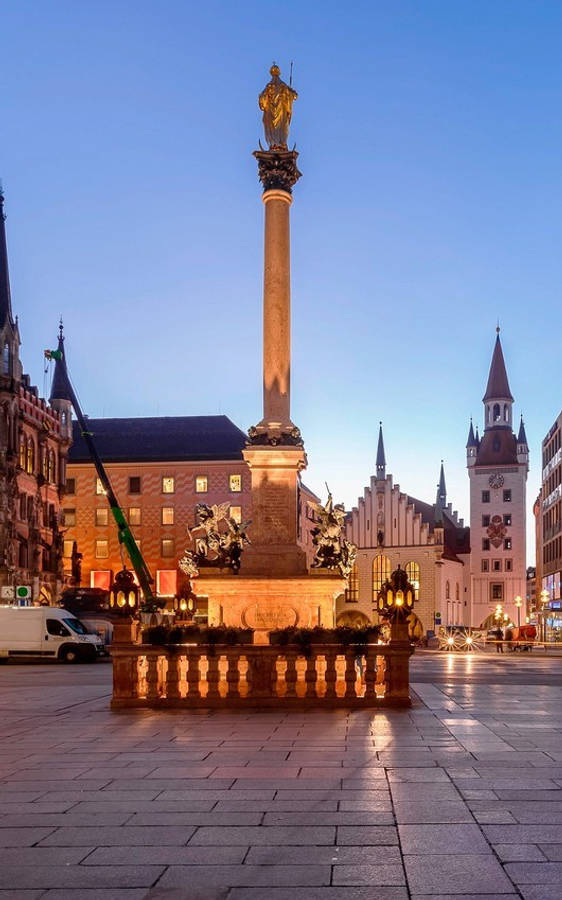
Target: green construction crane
{"type": "Point", "coordinates": [124, 533]}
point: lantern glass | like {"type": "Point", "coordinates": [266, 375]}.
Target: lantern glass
{"type": "Point", "coordinates": [390, 597]}
{"type": "Point", "coordinates": [399, 598]}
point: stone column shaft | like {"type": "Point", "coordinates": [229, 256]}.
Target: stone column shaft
{"type": "Point", "coordinates": [277, 310]}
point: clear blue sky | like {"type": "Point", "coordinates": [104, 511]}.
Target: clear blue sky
{"type": "Point", "coordinates": [430, 137]}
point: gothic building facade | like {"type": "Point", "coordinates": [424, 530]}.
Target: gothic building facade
{"type": "Point", "coordinates": [34, 442]}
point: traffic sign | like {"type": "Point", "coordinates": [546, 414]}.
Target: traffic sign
{"type": "Point", "coordinates": [7, 592]}
{"type": "Point", "coordinates": [23, 592]}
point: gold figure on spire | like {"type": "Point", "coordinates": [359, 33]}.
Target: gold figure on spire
{"type": "Point", "coordinates": [276, 103]}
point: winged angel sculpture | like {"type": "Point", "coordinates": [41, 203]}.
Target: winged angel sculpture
{"type": "Point", "coordinates": [333, 550]}
{"type": "Point", "coordinates": [217, 540]}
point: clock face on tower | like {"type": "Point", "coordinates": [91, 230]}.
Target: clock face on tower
{"type": "Point", "coordinates": [496, 480]}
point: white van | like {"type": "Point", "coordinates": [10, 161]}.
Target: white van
{"type": "Point", "coordinates": [46, 631]}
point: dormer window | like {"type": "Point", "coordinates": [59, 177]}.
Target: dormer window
{"type": "Point", "coordinates": [6, 359]}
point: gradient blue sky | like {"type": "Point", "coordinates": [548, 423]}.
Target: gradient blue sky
{"type": "Point", "coordinates": [430, 137]}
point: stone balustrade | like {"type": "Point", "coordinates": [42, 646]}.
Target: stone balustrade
{"type": "Point", "coordinates": [220, 676]}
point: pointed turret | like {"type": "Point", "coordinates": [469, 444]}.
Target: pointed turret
{"type": "Point", "coordinates": [471, 445]}
{"type": "Point", "coordinates": [60, 398]}
{"type": "Point", "coordinates": [471, 441]}
{"type": "Point", "coordinates": [522, 445]}
{"type": "Point", "coordinates": [498, 398]}
{"type": "Point", "coordinates": [381, 461]}
{"type": "Point", "coordinates": [522, 436]}
{"type": "Point", "coordinates": [5, 296]}
{"type": "Point", "coordinates": [441, 500]}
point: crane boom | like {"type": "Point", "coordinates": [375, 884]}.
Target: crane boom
{"type": "Point", "coordinates": [124, 532]}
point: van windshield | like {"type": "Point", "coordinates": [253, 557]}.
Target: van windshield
{"type": "Point", "coordinates": [76, 626]}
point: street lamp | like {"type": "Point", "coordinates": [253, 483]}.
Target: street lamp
{"type": "Point", "coordinates": [186, 602]}
{"type": "Point", "coordinates": [518, 603]}
{"type": "Point", "coordinates": [396, 601]}
{"type": "Point", "coordinates": [124, 593]}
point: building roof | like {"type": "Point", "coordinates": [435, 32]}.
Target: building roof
{"type": "Point", "coordinates": [5, 296]}
{"type": "Point", "coordinates": [522, 436]}
{"type": "Point", "coordinates": [498, 385]}
{"type": "Point", "coordinates": [456, 538]}
{"type": "Point", "coordinates": [497, 447]}
{"type": "Point", "coordinates": [471, 441]}
{"type": "Point", "coordinates": [59, 387]}
{"type": "Point", "coordinates": [381, 461]}
{"type": "Point", "coordinates": [155, 439]}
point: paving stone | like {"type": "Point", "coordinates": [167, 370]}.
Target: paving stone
{"type": "Point", "coordinates": [95, 894]}
{"type": "Point", "coordinates": [324, 893]}
{"type": "Point", "coordinates": [442, 840]}
{"type": "Point", "coordinates": [123, 837]}
{"type": "Point", "coordinates": [520, 853]}
{"type": "Point", "coordinates": [333, 855]}
{"type": "Point", "coordinates": [456, 875]}
{"type": "Point", "coordinates": [201, 818]}
{"type": "Point", "coordinates": [360, 817]}
{"type": "Point", "coordinates": [409, 774]}
{"type": "Point", "coordinates": [43, 856]}
{"type": "Point", "coordinates": [540, 891]}
{"type": "Point", "coordinates": [522, 834]}
{"type": "Point", "coordinates": [535, 873]}
{"type": "Point", "coordinates": [22, 837]}
{"type": "Point", "coordinates": [436, 792]}
{"type": "Point", "coordinates": [75, 877]}
{"type": "Point", "coordinates": [552, 851]}
{"type": "Point", "coordinates": [244, 875]}
{"type": "Point", "coordinates": [248, 836]}
{"type": "Point", "coordinates": [362, 835]}
{"type": "Point", "coordinates": [383, 873]}
{"type": "Point", "coordinates": [432, 812]}
{"type": "Point", "coordinates": [167, 856]}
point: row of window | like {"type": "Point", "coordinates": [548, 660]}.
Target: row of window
{"type": "Point", "coordinates": [507, 545]}
{"type": "Point", "coordinates": [27, 459]}
{"type": "Point", "coordinates": [134, 515]}
{"type": "Point", "coordinates": [506, 520]}
{"type": "Point", "coordinates": [167, 547]}
{"type": "Point", "coordinates": [46, 514]}
{"type": "Point", "coordinates": [168, 484]}
{"type": "Point", "coordinates": [497, 565]}
{"type": "Point", "coordinates": [506, 496]}
{"type": "Point", "coordinates": [553, 550]}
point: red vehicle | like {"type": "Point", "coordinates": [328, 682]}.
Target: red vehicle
{"type": "Point", "coordinates": [522, 638]}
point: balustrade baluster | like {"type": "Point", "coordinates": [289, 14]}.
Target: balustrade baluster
{"type": "Point", "coordinates": [213, 674]}
{"type": "Point", "coordinates": [370, 673]}
{"type": "Point", "coordinates": [233, 672]}
{"type": "Point", "coordinates": [152, 690]}
{"type": "Point", "coordinates": [291, 674]}
{"type": "Point", "coordinates": [331, 675]}
{"type": "Point", "coordinates": [173, 676]}
{"type": "Point", "coordinates": [193, 675]}
{"type": "Point", "coordinates": [350, 674]}
{"type": "Point", "coordinates": [311, 675]}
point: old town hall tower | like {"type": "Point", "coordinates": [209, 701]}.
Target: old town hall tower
{"type": "Point", "coordinates": [498, 463]}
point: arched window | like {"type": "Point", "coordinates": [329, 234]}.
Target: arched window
{"type": "Point", "coordinates": [30, 466]}
{"type": "Point", "coordinates": [413, 573]}
{"type": "Point", "coordinates": [497, 412]}
{"type": "Point", "coordinates": [457, 592]}
{"type": "Point", "coordinates": [51, 467]}
{"type": "Point", "coordinates": [381, 573]}
{"type": "Point", "coordinates": [447, 591]}
{"type": "Point", "coordinates": [22, 452]}
{"type": "Point", "coordinates": [45, 463]}
{"type": "Point", "coordinates": [352, 589]}
{"type": "Point", "coordinates": [6, 360]}
{"type": "Point", "coordinates": [506, 412]}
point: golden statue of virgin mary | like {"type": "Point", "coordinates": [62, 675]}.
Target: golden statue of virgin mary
{"type": "Point", "coordinates": [276, 103]}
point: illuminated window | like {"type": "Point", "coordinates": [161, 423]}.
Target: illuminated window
{"type": "Point", "coordinates": [352, 588]}
{"type": "Point", "coordinates": [166, 582]}
{"type": "Point", "coordinates": [235, 483]}
{"type": "Point", "coordinates": [134, 515]}
{"type": "Point", "coordinates": [102, 516]}
{"type": "Point", "coordinates": [413, 573]}
{"type": "Point", "coordinates": [497, 591]}
{"type": "Point", "coordinates": [134, 484]}
{"type": "Point", "coordinates": [507, 519]}
{"type": "Point", "coordinates": [167, 515]}
{"type": "Point", "coordinates": [168, 548]}
{"type": "Point", "coordinates": [236, 513]}
{"type": "Point", "coordinates": [69, 517]}
{"type": "Point", "coordinates": [201, 484]}
{"type": "Point", "coordinates": [100, 579]}
{"type": "Point", "coordinates": [381, 573]}
{"type": "Point", "coordinates": [67, 549]}
{"type": "Point", "coordinates": [30, 464]}
{"type": "Point", "coordinates": [23, 452]}
{"type": "Point", "coordinates": [507, 544]}
{"type": "Point", "coordinates": [99, 487]}
{"type": "Point", "coordinates": [102, 549]}
{"type": "Point", "coordinates": [70, 486]}
{"type": "Point", "coordinates": [168, 484]}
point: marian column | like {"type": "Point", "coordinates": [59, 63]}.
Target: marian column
{"type": "Point", "coordinates": [275, 452]}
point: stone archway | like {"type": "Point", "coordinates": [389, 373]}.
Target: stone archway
{"type": "Point", "coordinates": [352, 618]}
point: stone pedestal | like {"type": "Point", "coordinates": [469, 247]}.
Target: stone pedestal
{"type": "Point", "coordinates": [265, 603]}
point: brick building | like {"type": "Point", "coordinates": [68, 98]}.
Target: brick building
{"type": "Point", "coordinates": [34, 440]}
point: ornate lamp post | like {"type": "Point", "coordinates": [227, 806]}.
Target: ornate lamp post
{"type": "Point", "coordinates": [396, 601]}
{"type": "Point", "coordinates": [124, 593]}
{"type": "Point", "coordinates": [518, 603]}
{"type": "Point", "coordinates": [185, 603]}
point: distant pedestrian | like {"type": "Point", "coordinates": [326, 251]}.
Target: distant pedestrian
{"type": "Point", "coordinates": [499, 639]}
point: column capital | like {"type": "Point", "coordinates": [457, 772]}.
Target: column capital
{"type": "Point", "coordinates": [277, 169]}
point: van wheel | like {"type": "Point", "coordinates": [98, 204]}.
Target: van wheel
{"type": "Point", "coordinates": [69, 655]}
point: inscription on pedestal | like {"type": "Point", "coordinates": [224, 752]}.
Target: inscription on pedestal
{"type": "Point", "coordinates": [275, 515]}
{"type": "Point", "coordinates": [264, 616]}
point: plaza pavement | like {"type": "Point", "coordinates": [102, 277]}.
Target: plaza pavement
{"type": "Point", "coordinates": [462, 795]}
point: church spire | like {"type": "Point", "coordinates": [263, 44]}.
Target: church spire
{"type": "Point", "coordinates": [471, 441]}
{"type": "Point", "coordinates": [522, 437]}
{"type": "Point", "coordinates": [5, 296]}
{"type": "Point", "coordinates": [498, 385]}
{"type": "Point", "coordinates": [441, 501]}
{"type": "Point", "coordinates": [381, 461]}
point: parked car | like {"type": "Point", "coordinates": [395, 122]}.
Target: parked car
{"type": "Point", "coordinates": [46, 632]}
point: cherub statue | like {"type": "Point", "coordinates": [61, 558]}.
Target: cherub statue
{"type": "Point", "coordinates": [333, 550]}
